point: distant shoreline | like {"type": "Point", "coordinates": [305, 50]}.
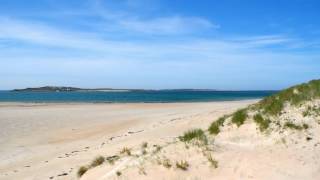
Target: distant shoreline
{"type": "Point", "coordinates": [70, 89]}
{"type": "Point", "coordinates": [76, 89]}
{"type": "Point", "coordinates": [4, 103]}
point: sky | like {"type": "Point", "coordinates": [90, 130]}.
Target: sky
{"type": "Point", "coordinates": [159, 44]}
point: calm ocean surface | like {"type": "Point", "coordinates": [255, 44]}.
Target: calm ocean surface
{"type": "Point", "coordinates": [134, 96]}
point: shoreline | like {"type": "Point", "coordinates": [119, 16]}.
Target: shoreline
{"type": "Point", "coordinates": [156, 102]}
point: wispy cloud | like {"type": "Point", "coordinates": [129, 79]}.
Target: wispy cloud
{"type": "Point", "coordinates": [129, 20]}
{"type": "Point", "coordinates": [42, 34]}
{"type": "Point", "coordinates": [265, 40]}
{"type": "Point", "coordinates": [34, 32]}
{"type": "Point", "coordinates": [167, 25]}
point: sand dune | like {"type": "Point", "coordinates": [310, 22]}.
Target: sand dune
{"type": "Point", "coordinates": [239, 153]}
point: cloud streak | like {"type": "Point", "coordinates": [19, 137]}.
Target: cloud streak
{"type": "Point", "coordinates": [168, 25]}
{"type": "Point", "coordinates": [41, 34]}
{"type": "Point", "coordinates": [163, 25]}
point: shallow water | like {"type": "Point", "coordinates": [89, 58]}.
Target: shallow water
{"type": "Point", "coordinates": [132, 96]}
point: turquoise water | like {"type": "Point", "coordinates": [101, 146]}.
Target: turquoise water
{"type": "Point", "coordinates": [133, 96]}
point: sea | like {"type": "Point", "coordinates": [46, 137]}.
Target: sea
{"type": "Point", "coordinates": [161, 96]}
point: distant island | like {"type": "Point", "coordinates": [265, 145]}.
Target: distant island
{"type": "Point", "coordinates": [67, 89]}
{"type": "Point", "coordinates": [73, 89]}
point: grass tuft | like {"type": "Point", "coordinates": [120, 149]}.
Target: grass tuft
{"type": "Point", "coordinates": [112, 159]}
{"type": "Point", "coordinates": [291, 125]}
{"type": "Point", "coordinates": [144, 145]}
{"type": "Point", "coordinates": [183, 165]}
{"type": "Point", "coordinates": [214, 128]}
{"type": "Point", "coordinates": [197, 134]}
{"type": "Point", "coordinates": [305, 126]}
{"type": "Point", "coordinates": [262, 123]}
{"type": "Point", "coordinates": [157, 148]}
{"type": "Point", "coordinates": [97, 161]}
{"type": "Point", "coordinates": [118, 173]}
{"type": "Point", "coordinates": [126, 151]}
{"type": "Point", "coordinates": [239, 117]}
{"type": "Point", "coordinates": [311, 111]}
{"type": "Point", "coordinates": [82, 170]}
{"type": "Point", "coordinates": [212, 161]}
{"type": "Point", "coordinates": [167, 163]}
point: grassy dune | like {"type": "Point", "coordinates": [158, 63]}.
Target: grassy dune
{"type": "Point", "coordinates": [277, 118]}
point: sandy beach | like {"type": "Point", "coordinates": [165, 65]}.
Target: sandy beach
{"type": "Point", "coordinates": [159, 90]}
{"type": "Point", "coordinates": [51, 141]}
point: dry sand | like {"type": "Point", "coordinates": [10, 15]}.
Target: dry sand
{"type": "Point", "coordinates": [51, 141]}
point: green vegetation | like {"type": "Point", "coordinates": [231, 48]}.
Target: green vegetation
{"type": "Point", "coordinates": [144, 145]}
{"type": "Point", "coordinates": [97, 161]}
{"type": "Point", "coordinates": [144, 152]}
{"type": "Point", "coordinates": [239, 117]}
{"type": "Point", "coordinates": [82, 170]}
{"type": "Point", "coordinates": [305, 126]}
{"type": "Point", "coordinates": [112, 159]}
{"type": "Point", "coordinates": [158, 148]}
{"type": "Point", "coordinates": [311, 110]}
{"type": "Point", "coordinates": [306, 112]}
{"type": "Point", "coordinates": [271, 105]}
{"type": "Point", "coordinates": [215, 126]}
{"type": "Point", "coordinates": [262, 123]}
{"type": "Point", "coordinates": [197, 134]}
{"type": "Point", "coordinates": [167, 163]}
{"type": "Point", "coordinates": [295, 95]}
{"type": "Point", "coordinates": [291, 125]}
{"type": "Point", "coordinates": [118, 173]}
{"type": "Point", "coordinates": [212, 161]}
{"type": "Point", "coordinates": [183, 165]}
{"type": "Point", "coordinates": [126, 151]}
{"type": "Point", "coordinates": [221, 120]}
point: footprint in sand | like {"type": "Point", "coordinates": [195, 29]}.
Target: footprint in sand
{"type": "Point", "coordinates": [63, 174]}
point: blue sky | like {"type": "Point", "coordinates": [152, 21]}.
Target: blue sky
{"type": "Point", "coordinates": [154, 44]}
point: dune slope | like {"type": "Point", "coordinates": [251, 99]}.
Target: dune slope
{"type": "Point", "coordinates": [276, 138]}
